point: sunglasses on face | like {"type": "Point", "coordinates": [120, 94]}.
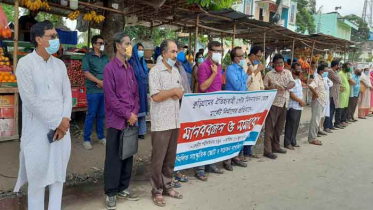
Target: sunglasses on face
{"type": "Point", "coordinates": [100, 43]}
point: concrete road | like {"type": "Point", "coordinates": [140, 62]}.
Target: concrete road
{"type": "Point", "coordinates": [335, 176]}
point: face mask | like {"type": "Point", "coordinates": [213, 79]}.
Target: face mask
{"type": "Point", "coordinates": [129, 52]}
{"type": "Point", "coordinates": [216, 57]}
{"type": "Point", "coordinates": [256, 62]}
{"type": "Point", "coordinates": [325, 74]}
{"type": "Point", "coordinates": [349, 69]}
{"type": "Point", "coordinates": [367, 73]}
{"type": "Point", "coordinates": [297, 73]}
{"type": "Point", "coordinates": [181, 56]}
{"type": "Point", "coordinates": [102, 48]}
{"type": "Point", "coordinates": [171, 62]}
{"type": "Point", "coordinates": [200, 60]}
{"type": "Point", "coordinates": [242, 63]}
{"type": "Point", "coordinates": [140, 54]}
{"type": "Point", "coordinates": [279, 68]}
{"type": "Point", "coordinates": [358, 74]}
{"type": "Point", "coordinates": [54, 46]}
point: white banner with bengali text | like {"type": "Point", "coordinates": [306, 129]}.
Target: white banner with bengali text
{"type": "Point", "coordinates": [215, 126]}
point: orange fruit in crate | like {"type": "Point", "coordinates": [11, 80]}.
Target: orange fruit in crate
{"type": "Point", "coordinates": [6, 77]}
{"type": "Point", "coordinates": [12, 77]}
{"type": "Point", "coordinates": [7, 63]}
{"type": "Point", "coordinates": [1, 78]}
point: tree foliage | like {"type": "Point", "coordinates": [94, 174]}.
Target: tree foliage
{"type": "Point", "coordinates": [362, 34]}
{"type": "Point", "coordinates": [305, 21]}
{"type": "Point", "coordinates": [213, 4]}
{"type": "Point", "coordinates": [9, 12]}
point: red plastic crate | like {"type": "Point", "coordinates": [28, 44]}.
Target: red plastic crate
{"type": "Point", "coordinates": [79, 96]}
{"type": "Point", "coordinates": [6, 112]}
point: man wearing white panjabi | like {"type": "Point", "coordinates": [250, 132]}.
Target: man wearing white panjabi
{"type": "Point", "coordinates": [46, 107]}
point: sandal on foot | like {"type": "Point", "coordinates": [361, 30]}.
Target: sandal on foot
{"type": "Point", "coordinates": [175, 184]}
{"type": "Point", "coordinates": [181, 177]}
{"type": "Point", "coordinates": [316, 142]}
{"type": "Point", "coordinates": [173, 194]}
{"type": "Point", "coordinates": [158, 200]}
{"type": "Point", "coordinates": [201, 176]}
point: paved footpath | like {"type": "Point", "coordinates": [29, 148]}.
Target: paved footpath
{"type": "Point", "coordinates": [335, 176]}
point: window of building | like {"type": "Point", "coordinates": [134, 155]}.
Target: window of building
{"type": "Point", "coordinates": [261, 14]}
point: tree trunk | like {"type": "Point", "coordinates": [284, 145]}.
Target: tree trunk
{"type": "Point", "coordinates": [113, 23]}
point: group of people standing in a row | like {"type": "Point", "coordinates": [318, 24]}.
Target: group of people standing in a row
{"type": "Point", "coordinates": [117, 92]}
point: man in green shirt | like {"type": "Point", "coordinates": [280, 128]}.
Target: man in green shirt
{"type": "Point", "coordinates": [93, 67]}
{"type": "Point", "coordinates": [344, 94]}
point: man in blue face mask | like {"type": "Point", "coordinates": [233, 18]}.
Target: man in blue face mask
{"type": "Point", "coordinates": [236, 81]}
{"type": "Point", "coordinates": [46, 99]}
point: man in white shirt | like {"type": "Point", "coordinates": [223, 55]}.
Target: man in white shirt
{"type": "Point", "coordinates": [294, 113]}
{"type": "Point", "coordinates": [46, 107]}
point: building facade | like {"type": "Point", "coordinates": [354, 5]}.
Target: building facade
{"type": "Point", "coordinates": [334, 24]}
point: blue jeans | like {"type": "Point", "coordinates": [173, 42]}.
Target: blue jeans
{"type": "Point", "coordinates": [142, 125]}
{"type": "Point", "coordinates": [96, 110]}
{"type": "Point", "coordinates": [247, 150]}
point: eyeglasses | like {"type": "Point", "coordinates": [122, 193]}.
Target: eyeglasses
{"type": "Point", "coordinates": [100, 43]}
{"type": "Point", "coordinates": [216, 51]}
{"type": "Point", "coordinates": [52, 36]}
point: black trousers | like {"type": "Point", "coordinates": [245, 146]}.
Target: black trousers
{"type": "Point", "coordinates": [352, 104]}
{"type": "Point", "coordinates": [344, 114]}
{"type": "Point", "coordinates": [291, 127]}
{"type": "Point", "coordinates": [117, 173]}
{"type": "Point", "coordinates": [328, 122]}
{"type": "Point", "coordinates": [338, 116]}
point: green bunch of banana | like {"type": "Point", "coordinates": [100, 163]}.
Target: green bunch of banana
{"type": "Point", "coordinates": [74, 15]}
{"type": "Point", "coordinates": [33, 4]}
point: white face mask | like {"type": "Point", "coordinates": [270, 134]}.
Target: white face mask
{"type": "Point", "coordinates": [102, 48]}
{"type": "Point", "coordinates": [216, 57]}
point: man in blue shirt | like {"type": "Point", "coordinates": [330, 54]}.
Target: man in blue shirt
{"type": "Point", "coordinates": [354, 97]}
{"type": "Point", "coordinates": [236, 80]}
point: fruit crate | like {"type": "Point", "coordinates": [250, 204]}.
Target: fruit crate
{"type": "Point", "coordinates": [9, 111]}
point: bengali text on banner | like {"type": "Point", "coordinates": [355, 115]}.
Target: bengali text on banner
{"type": "Point", "coordinates": [215, 126]}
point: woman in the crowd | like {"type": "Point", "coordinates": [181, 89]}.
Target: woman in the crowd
{"type": "Point", "coordinates": [199, 59]}
{"type": "Point", "coordinates": [141, 73]}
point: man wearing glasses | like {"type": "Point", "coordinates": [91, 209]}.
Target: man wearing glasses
{"type": "Point", "coordinates": [210, 80]}
{"type": "Point", "coordinates": [237, 81]}
{"type": "Point", "coordinates": [256, 67]}
{"type": "Point", "coordinates": [46, 109]}
{"type": "Point", "coordinates": [282, 80]}
{"type": "Point", "coordinates": [93, 67]}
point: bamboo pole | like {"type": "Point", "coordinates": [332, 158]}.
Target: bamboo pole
{"type": "Point", "coordinates": [222, 44]}
{"type": "Point", "coordinates": [196, 36]}
{"type": "Point", "coordinates": [309, 71]}
{"type": "Point", "coordinates": [89, 34]}
{"type": "Point", "coordinates": [292, 52]}
{"type": "Point", "coordinates": [15, 39]}
{"type": "Point", "coordinates": [264, 49]}
{"type": "Point", "coordinates": [190, 42]}
{"type": "Point", "coordinates": [234, 34]}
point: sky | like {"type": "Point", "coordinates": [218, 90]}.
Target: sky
{"type": "Point", "coordinates": [348, 6]}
